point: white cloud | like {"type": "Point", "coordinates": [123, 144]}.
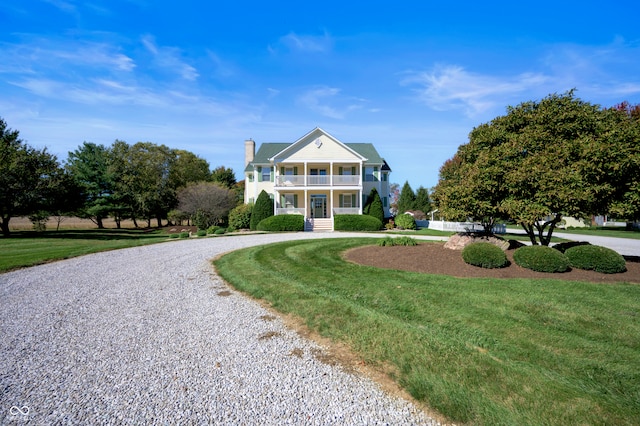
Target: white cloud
{"type": "Point", "coordinates": [307, 43]}
{"type": "Point", "coordinates": [326, 101]}
{"type": "Point", "coordinates": [452, 87]}
{"type": "Point", "coordinates": [169, 58]}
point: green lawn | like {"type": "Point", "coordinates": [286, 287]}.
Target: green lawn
{"type": "Point", "coordinates": [28, 248]}
{"type": "Point", "coordinates": [604, 232]}
{"type": "Point", "coordinates": [481, 351]}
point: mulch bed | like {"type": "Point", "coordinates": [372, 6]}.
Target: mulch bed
{"type": "Point", "coordinates": [433, 258]}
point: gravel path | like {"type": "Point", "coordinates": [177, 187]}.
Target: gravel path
{"type": "Point", "coordinates": [151, 335]}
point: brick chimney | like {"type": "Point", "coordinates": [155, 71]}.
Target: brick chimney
{"type": "Point", "coordinates": [249, 151]}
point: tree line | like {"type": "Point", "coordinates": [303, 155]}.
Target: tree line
{"type": "Point", "coordinates": [141, 182]}
{"type": "Point", "coordinates": [542, 161]}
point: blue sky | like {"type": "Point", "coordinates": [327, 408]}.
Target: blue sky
{"type": "Point", "coordinates": [413, 78]}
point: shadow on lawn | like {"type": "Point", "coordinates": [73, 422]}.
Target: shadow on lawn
{"type": "Point", "coordinates": [94, 234]}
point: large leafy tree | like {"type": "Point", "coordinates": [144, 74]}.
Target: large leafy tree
{"type": "Point", "coordinates": [224, 176]}
{"type": "Point", "coordinates": [543, 160]}
{"type": "Point", "coordinates": [26, 177]}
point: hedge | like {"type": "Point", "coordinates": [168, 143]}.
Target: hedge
{"type": "Point", "coordinates": [284, 222]}
{"type": "Point", "coordinates": [485, 255]}
{"type": "Point", "coordinates": [356, 222]}
{"type": "Point", "coordinates": [596, 258]}
{"type": "Point", "coordinates": [541, 259]}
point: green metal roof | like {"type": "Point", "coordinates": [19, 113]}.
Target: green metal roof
{"type": "Point", "coordinates": [270, 149]}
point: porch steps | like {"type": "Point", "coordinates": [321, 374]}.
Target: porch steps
{"type": "Point", "coordinates": [316, 225]}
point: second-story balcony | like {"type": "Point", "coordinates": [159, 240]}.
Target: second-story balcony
{"type": "Point", "coordinates": [317, 180]}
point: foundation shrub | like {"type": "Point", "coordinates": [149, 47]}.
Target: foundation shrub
{"type": "Point", "coordinates": [219, 231]}
{"type": "Point", "coordinates": [541, 259]}
{"type": "Point", "coordinates": [596, 258]}
{"type": "Point", "coordinates": [240, 216]}
{"type": "Point", "coordinates": [356, 222]}
{"type": "Point", "coordinates": [184, 235]}
{"type": "Point", "coordinates": [201, 233]}
{"type": "Point", "coordinates": [280, 223]}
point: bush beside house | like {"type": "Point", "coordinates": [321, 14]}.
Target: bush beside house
{"type": "Point", "coordinates": [356, 222]}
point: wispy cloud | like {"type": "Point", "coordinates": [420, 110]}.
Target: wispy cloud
{"type": "Point", "coordinates": [169, 58]}
{"type": "Point", "coordinates": [447, 87]}
{"type": "Point", "coordinates": [307, 43]}
{"type": "Point", "coordinates": [328, 102]}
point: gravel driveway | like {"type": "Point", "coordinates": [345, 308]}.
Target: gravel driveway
{"type": "Point", "coordinates": [151, 335]}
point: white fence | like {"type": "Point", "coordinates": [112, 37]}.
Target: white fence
{"type": "Point", "coordinates": [442, 225]}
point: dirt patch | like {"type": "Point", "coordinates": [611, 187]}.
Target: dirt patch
{"type": "Point", "coordinates": [433, 258]}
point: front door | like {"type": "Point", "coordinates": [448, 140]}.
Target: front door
{"type": "Point", "coordinates": [319, 206]}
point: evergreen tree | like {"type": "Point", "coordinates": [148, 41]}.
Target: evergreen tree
{"type": "Point", "coordinates": [262, 209]}
{"type": "Point", "coordinates": [423, 202]}
{"type": "Point", "coordinates": [407, 199]}
{"type": "Point", "coordinates": [373, 206]}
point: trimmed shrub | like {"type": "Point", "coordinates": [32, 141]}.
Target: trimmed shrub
{"type": "Point", "coordinates": [201, 233]}
{"type": "Point", "coordinates": [240, 216]}
{"type": "Point", "coordinates": [184, 235]}
{"type": "Point", "coordinates": [484, 255]}
{"type": "Point", "coordinates": [219, 231]}
{"type": "Point", "coordinates": [174, 235]}
{"type": "Point", "coordinates": [596, 258]}
{"type": "Point", "coordinates": [356, 222]}
{"type": "Point", "coordinates": [541, 259]}
{"type": "Point", "coordinates": [212, 229]}
{"type": "Point", "coordinates": [405, 221]}
{"type": "Point", "coordinates": [283, 222]}
{"type": "Point", "coordinates": [262, 209]}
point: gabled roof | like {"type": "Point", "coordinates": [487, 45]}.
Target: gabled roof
{"type": "Point", "coordinates": [269, 150]}
{"type": "Point", "coordinates": [315, 133]}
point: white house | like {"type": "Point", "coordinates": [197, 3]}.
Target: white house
{"type": "Point", "coordinates": [317, 176]}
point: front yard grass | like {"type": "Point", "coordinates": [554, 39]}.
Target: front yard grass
{"type": "Point", "coordinates": [481, 351]}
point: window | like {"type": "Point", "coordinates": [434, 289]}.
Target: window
{"type": "Point", "coordinates": [266, 174]}
{"type": "Point", "coordinates": [289, 201]}
{"type": "Point", "coordinates": [368, 174]}
{"type": "Point", "coordinates": [288, 171]}
{"type": "Point", "coordinates": [346, 201]}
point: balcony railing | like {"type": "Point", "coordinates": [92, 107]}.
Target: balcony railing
{"type": "Point", "coordinates": [318, 180]}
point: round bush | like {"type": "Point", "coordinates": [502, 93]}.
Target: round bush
{"type": "Point", "coordinates": [283, 222]}
{"type": "Point", "coordinates": [356, 222]}
{"type": "Point", "coordinates": [219, 231]}
{"type": "Point", "coordinates": [596, 258]}
{"type": "Point", "coordinates": [405, 221]}
{"type": "Point", "coordinates": [201, 233]}
{"type": "Point", "coordinates": [541, 259]}
{"type": "Point", "coordinates": [485, 255]}
{"type": "Point", "coordinates": [184, 235]}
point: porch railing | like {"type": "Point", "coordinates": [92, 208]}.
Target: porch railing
{"type": "Point", "coordinates": [317, 180]}
{"type": "Point", "coordinates": [289, 210]}
{"type": "Point", "coordinates": [346, 210]}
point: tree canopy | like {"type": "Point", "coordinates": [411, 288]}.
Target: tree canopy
{"type": "Point", "coordinates": [407, 198]}
{"type": "Point", "coordinates": [27, 177]}
{"type": "Point", "coordinates": [543, 160]}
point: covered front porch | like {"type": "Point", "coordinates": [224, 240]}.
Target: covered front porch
{"type": "Point", "coordinates": [317, 205]}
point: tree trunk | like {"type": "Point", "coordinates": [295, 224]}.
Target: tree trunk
{"type": "Point", "coordinates": [4, 225]}
{"type": "Point", "coordinates": [135, 222]}
{"type": "Point", "coordinates": [99, 222]}
{"type": "Point", "coordinates": [529, 230]}
{"type": "Point", "coordinates": [159, 221]}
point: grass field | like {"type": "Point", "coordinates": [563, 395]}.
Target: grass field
{"type": "Point", "coordinates": [28, 248]}
{"type": "Point", "coordinates": [480, 351]}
